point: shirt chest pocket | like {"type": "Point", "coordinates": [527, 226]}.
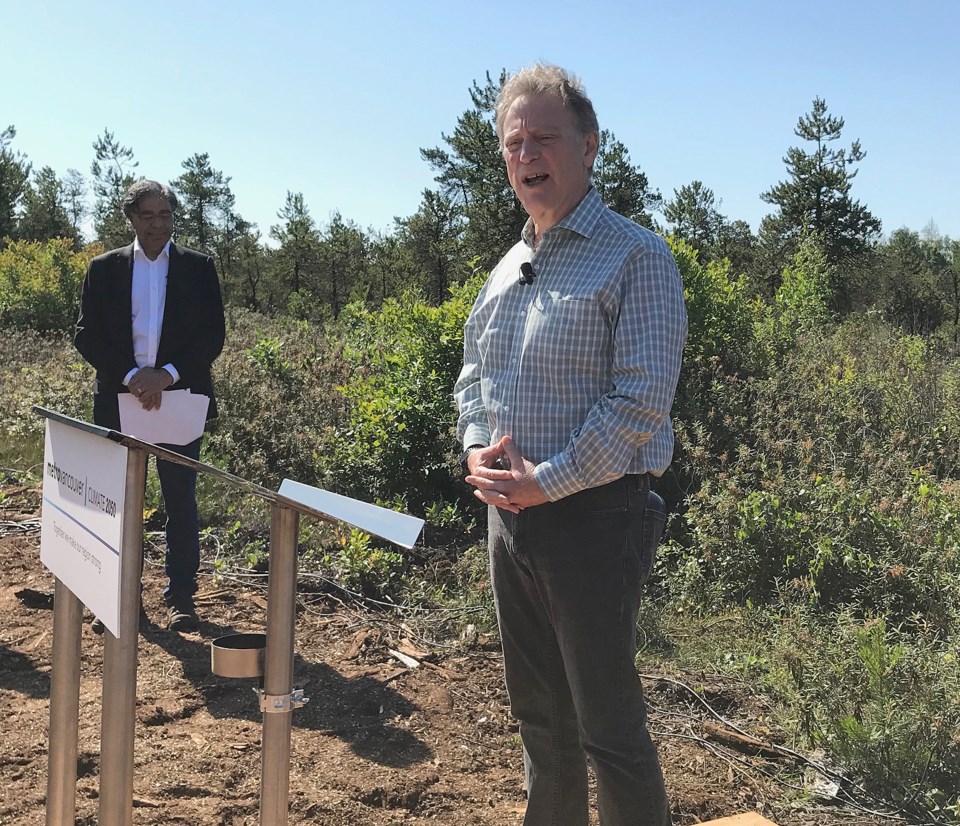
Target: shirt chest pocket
{"type": "Point", "coordinates": [569, 325]}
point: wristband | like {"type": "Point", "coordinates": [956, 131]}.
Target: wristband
{"type": "Point", "coordinates": [465, 454]}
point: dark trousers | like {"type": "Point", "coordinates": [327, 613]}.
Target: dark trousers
{"type": "Point", "coordinates": [178, 486]}
{"type": "Point", "coordinates": [566, 580]}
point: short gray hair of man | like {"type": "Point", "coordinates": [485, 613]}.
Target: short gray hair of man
{"type": "Point", "coordinates": [546, 79]}
{"type": "Point", "coordinates": [143, 189]}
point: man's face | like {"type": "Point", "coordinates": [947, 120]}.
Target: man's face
{"type": "Point", "coordinates": [153, 223]}
{"type": "Point", "coordinates": [548, 160]}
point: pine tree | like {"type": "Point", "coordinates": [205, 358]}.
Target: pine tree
{"type": "Point", "coordinates": [816, 200]}
{"type": "Point", "coordinates": [622, 185]}
{"type": "Point", "coordinates": [296, 261]}
{"type": "Point", "coordinates": [343, 263]}
{"type": "Point", "coordinates": [75, 202]}
{"type": "Point", "coordinates": [692, 215]}
{"type": "Point", "coordinates": [432, 236]}
{"type": "Point", "coordinates": [112, 171]}
{"type": "Point", "coordinates": [14, 174]}
{"type": "Point", "coordinates": [44, 209]}
{"type": "Point", "coordinates": [916, 284]}
{"type": "Point", "coordinates": [206, 203]}
{"type": "Point", "coordinates": [473, 177]}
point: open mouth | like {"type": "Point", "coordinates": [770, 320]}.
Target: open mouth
{"type": "Point", "coordinates": [534, 180]}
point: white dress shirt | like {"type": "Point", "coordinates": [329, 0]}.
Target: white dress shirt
{"type": "Point", "coordinates": [148, 295]}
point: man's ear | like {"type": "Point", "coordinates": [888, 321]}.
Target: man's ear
{"type": "Point", "coordinates": [591, 144]}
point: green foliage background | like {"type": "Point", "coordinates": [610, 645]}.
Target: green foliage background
{"type": "Point", "coordinates": [815, 489]}
{"type": "Point", "coordinates": [814, 539]}
{"type": "Point", "coordinates": [40, 284]}
{"type": "Point", "coordinates": [403, 359]}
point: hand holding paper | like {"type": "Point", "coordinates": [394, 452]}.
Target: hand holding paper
{"type": "Point", "coordinates": [178, 420]}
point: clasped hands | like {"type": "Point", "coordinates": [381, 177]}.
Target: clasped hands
{"type": "Point", "coordinates": [502, 477]}
{"type": "Point", "coordinates": [148, 384]}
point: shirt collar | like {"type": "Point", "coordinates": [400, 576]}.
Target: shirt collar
{"type": "Point", "coordinates": [139, 253]}
{"type": "Point", "coordinates": [582, 220]}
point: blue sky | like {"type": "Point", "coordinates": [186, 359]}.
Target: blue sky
{"type": "Point", "coordinates": [335, 100]}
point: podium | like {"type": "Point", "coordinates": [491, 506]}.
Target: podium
{"type": "Point", "coordinates": [92, 541]}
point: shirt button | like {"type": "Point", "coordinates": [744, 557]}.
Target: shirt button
{"type": "Point", "coordinates": [506, 408]}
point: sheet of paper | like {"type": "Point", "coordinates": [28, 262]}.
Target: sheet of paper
{"type": "Point", "coordinates": [400, 528]}
{"type": "Point", "coordinates": [178, 421]}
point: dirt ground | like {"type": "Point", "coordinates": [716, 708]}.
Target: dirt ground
{"type": "Point", "coordinates": [379, 742]}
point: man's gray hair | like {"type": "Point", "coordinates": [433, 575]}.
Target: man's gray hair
{"type": "Point", "coordinates": [544, 78]}
{"type": "Point", "coordinates": [143, 189]}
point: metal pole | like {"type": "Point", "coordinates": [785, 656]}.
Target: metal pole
{"type": "Point", "coordinates": [278, 667]}
{"type": "Point", "coordinates": [64, 708]}
{"type": "Point", "coordinates": [118, 715]}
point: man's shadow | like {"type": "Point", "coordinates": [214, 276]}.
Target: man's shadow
{"type": "Point", "coordinates": [358, 710]}
{"type": "Point", "coordinates": [19, 673]}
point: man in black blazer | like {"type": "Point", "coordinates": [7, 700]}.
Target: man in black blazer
{"type": "Point", "coordinates": [151, 319]}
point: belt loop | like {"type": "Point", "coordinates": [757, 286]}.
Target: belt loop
{"type": "Point", "coordinates": [638, 481]}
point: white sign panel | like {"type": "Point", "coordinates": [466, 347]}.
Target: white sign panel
{"type": "Point", "coordinates": [82, 523]}
{"type": "Point", "coordinates": [400, 528]}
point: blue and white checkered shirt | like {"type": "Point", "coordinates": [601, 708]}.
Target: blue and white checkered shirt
{"type": "Point", "coordinates": [580, 367]}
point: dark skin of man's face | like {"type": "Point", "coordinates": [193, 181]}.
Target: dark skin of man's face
{"type": "Point", "coordinates": [153, 223]}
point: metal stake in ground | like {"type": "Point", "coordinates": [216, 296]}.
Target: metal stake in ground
{"type": "Point", "coordinates": [118, 717]}
{"type": "Point", "coordinates": [64, 708]}
{"type": "Point", "coordinates": [277, 700]}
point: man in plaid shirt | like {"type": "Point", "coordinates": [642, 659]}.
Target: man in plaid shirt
{"type": "Point", "coordinates": [571, 358]}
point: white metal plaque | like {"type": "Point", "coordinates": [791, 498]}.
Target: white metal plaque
{"type": "Point", "coordinates": [400, 528]}
{"type": "Point", "coordinates": [82, 521]}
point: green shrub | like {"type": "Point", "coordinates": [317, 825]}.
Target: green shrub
{"type": "Point", "coordinates": [362, 565]}
{"type": "Point", "coordinates": [398, 436]}
{"type": "Point", "coordinates": [893, 726]}
{"type": "Point", "coordinates": [40, 284]}
{"type": "Point", "coordinates": [276, 386]}
{"type": "Point", "coordinates": [828, 475]}
{"type": "Point", "coordinates": [720, 313]}
{"type": "Point", "coordinates": [38, 370]}
{"type": "Point", "coordinates": [800, 306]}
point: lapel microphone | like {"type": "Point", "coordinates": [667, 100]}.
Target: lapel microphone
{"type": "Point", "coordinates": [526, 273]}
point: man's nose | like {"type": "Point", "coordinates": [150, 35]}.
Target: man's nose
{"type": "Point", "coordinates": [529, 150]}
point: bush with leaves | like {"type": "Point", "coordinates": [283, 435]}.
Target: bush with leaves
{"type": "Point", "coordinates": [721, 313]}
{"type": "Point", "coordinates": [825, 475]}
{"type": "Point", "coordinates": [40, 284]}
{"type": "Point", "coordinates": [893, 726]}
{"type": "Point", "coordinates": [404, 359]}
{"type": "Point", "coordinates": [277, 394]}
{"type": "Point", "coordinates": [38, 370]}
{"type": "Point", "coordinates": [799, 307]}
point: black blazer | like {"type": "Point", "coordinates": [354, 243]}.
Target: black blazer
{"type": "Point", "coordinates": [191, 336]}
